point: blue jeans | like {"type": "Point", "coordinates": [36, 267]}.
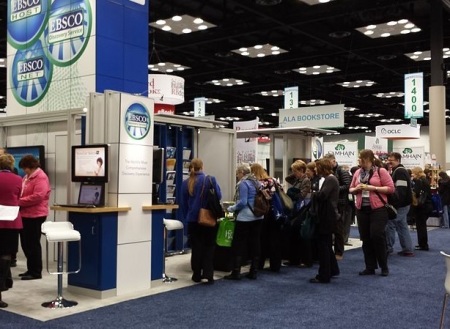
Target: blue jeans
{"type": "Point", "coordinates": [401, 226]}
{"type": "Point", "coordinates": [445, 210]}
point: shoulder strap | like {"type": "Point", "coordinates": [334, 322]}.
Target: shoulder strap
{"type": "Point", "coordinates": [382, 200]}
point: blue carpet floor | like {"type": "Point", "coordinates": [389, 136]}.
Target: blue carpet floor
{"type": "Point", "coordinates": [410, 297]}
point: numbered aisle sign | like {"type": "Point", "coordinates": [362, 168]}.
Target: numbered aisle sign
{"type": "Point", "coordinates": [199, 107]}
{"type": "Point", "coordinates": [291, 98]}
{"type": "Point", "coordinates": [414, 95]}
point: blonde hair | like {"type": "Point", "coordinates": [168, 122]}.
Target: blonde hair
{"type": "Point", "coordinates": [196, 166]}
{"type": "Point", "coordinates": [299, 165]}
{"type": "Point", "coordinates": [7, 162]}
{"type": "Point", "coordinates": [418, 172]}
{"type": "Point", "coordinates": [258, 171]}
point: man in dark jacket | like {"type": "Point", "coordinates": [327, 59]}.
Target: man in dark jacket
{"type": "Point", "coordinates": [344, 206]}
{"type": "Point", "coordinates": [401, 199]}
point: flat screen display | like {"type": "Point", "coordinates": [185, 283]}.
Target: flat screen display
{"type": "Point", "coordinates": [18, 152]}
{"type": "Point", "coordinates": [158, 165]}
{"type": "Point", "coordinates": [91, 194]}
{"type": "Point", "coordinates": [90, 163]}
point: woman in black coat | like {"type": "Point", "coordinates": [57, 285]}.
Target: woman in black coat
{"type": "Point", "coordinates": [421, 210]}
{"type": "Point", "coordinates": [325, 204]}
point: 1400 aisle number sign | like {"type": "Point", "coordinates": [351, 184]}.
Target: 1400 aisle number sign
{"type": "Point", "coordinates": [414, 95]}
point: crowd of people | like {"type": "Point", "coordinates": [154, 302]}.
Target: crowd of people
{"type": "Point", "coordinates": [331, 197]}
{"type": "Point", "coordinates": [29, 195]}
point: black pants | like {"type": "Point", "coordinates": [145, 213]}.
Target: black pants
{"type": "Point", "coordinates": [328, 265]}
{"type": "Point", "coordinates": [271, 243]}
{"type": "Point", "coordinates": [421, 214]}
{"type": "Point", "coordinates": [246, 240]}
{"type": "Point", "coordinates": [340, 232]}
{"type": "Point", "coordinates": [372, 231]}
{"type": "Point", "coordinates": [202, 240]}
{"type": "Point", "coordinates": [30, 239]}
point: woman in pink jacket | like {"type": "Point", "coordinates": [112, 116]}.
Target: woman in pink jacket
{"type": "Point", "coordinates": [34, 210]}
{"type": "Point", "coordinates": [370, 184]}
{"type": "Point", "coordinates": [10, 188]}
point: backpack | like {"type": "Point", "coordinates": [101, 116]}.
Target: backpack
{"type": "Point", "coordinates": [262, 201]}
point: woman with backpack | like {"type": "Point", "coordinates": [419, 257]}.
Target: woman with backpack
{"type": "Point", "coordinates": [247, 232]}
{"type": "Point", "coordinates": [271, 223]}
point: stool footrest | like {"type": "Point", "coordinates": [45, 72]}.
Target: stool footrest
{"type": "Point", "coordinates": [59, 302]}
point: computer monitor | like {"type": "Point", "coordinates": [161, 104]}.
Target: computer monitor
{"type": "Point", "coordinates": [90, 163]}
{"type": "Point", "coordinates": [158, 165]}
{"type": "Point", "coordinates": [92, 194]}
{"type": "Point", "coordinates": [18, 152]}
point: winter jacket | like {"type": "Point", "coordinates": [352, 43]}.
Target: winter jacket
{"type": "Point", "coordinates": [10, 189]}
{"type": "Point", "coordinates": [402, 196]}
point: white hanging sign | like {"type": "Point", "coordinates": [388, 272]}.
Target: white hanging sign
{"type": "Point", "coordinates": [316, 148]}
{"type": "Point", "coordinates": [398, 132]}
{"type": "Point", "coordinates": [414, 95]}
{"type": "Point", "coordinates": [246, 147]}
{"type": "Point", "coordinates": [326, 116]}
{"type": "Point", "coordinates": [166, 88]}
{"type": "Point", "coordinates": [291, 97]}
{"type": "Point", "coordinates": [379, 146]}
{"type": "Point", "coordinates": [199, 107]}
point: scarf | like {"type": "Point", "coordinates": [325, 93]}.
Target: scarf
{"type": "Point", "coordinates": [364, 175]}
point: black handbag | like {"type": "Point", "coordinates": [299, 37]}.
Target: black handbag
{"type": "Point", "coordinates": [392, 212]}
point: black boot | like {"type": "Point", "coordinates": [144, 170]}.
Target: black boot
{"type": "Point", "coordinates": [236, 272]}
{"type": "Point", "coordinates": [253, 269]}
{"type": "Point", "coordinates": [5, 274]}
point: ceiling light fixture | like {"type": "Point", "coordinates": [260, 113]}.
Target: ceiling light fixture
{"type": "Point", "coordinates": [316, 70]}
{"type": "Point", "coordinates": [357, 83]}
{"type": "Point", "coordinates": [182, 24]}
{"type": "Point", "coordinates": [426, 55]}
{"type": "Point", "coordinates": [259, 51]}
{"type": "Point", "coordinates": [167, 67]}
{"type": "Point", "coordinates": [392, 28]}
{"type": "Point", "coordinates": [227, 82]}
{"type": "Point", "coordinates": [390, 94]}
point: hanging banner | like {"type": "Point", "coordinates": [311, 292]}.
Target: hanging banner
{"type": "Point", "coordinates": [398, 132]}
{"type": "Point", "coordinates": [166, 88]}
{"type": "Point", "coordinates": [414, 95]}
{"type": "Point", "coordinates": [246, 148]}
{"type": "Point", "coordinates": [327, 116]}
{"type": "Point", "coordinates": [412, 156]}
{"type": "Point", "coordinates": [199, 107]}
{"type": "Point", "coordinates": [346, 152]}
{"type": "Point", "coordinates": [316, 148]}
{"type": "Point", "coordinates": [379, 146]}
{"type": "Point", "coordinates": [291, 97]}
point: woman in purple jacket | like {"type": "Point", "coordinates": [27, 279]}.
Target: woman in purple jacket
{"type": "Point", "coordinates": [34, 210]}
{"type": "Point", "coordinates": [10, 189]}
{"type": "Point", "coordinates": [371, 184]}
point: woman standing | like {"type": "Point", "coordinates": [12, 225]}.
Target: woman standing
{"type": "Point", "coordinates": [371, 184]}
{"type": "Point", "coordinates": [34, 210]}
{"type": "Point", "coordinates": [247, 232]}
{"type": "Point", "coordinates": [202, 239]}
{"type": "Point", "coordinates": [10, 189]}
{"type": "Point", "coordinates": [270, 227]}
{"type": "Point", "coordinates": [444, 193]}
{"type": "Point", "coordinates": [422, 210]}
{"type": "Point", "coordinates": [324, 203]}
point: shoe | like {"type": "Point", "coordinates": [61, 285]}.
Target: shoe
{"type": "Point", "coordinates": [31, 277]}
{"type": "Point", "coordinates": [3, 304]}
{"type": "Point", "coordinates": [335, 275]}
{"type": "Point", "coordinates": [317, 280]}
{"type": "Point", "coordinates": [421, 248]}
{"type": "Point", "coordinates": [208, 281]}
{"type": "Point", "coordinates": [232, 276]}
{"type": "Point", "coordinates": [339, 257]}
{"type": "Point", "coordinates": [304, 265]}
{"type": "Point", "coordinates": [384, 272]}
{"type": "Point", "coordinates": [196, 278]}
{"type": "Point", "coordinates": [367, 272]}
{"type": "Point", "coordinates": [348, 244]}
{"type": "Point", "coordinates": [406, 253]}
{"type": "Point", "coordinates": [13, 263]}
{"type": "Point", "coordinates": [24, 273]}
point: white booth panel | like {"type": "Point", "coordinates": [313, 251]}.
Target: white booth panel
{"type": "Point", "coordinates": [133, 273]}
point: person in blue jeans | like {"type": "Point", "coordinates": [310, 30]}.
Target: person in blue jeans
{"type": "Point", "coordinates": [401, 199]}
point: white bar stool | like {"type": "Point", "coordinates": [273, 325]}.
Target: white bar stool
{"type": "Point", "coordinates": [59, 233]}
{"type": "Point", "coordinates": [169, 225]}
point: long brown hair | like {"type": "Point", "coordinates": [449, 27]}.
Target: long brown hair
{"type": "Point", "coordinates": [258, 171]}
{"type": "Point", "coordinates": [196, 166]}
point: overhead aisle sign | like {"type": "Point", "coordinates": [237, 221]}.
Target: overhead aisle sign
{"type": "Point", "coordinates": [414, 95]}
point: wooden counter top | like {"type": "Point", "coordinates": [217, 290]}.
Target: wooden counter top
{"type": "Point", "coordinates": [160, 207]}
{"type": "Point", "coordinates": [91, 210]}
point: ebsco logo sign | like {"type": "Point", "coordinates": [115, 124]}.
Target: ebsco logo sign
{"type": "Point", "coordinates": [137, 121]}
{"type": "Point", "coordinates": [30, 69]}
{"type": "Point", "coordinates": [26, 21]}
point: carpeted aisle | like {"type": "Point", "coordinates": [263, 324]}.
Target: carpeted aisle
{"type": "Point", "coordinates": [410, 298]}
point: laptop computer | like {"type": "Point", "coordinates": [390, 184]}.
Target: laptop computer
{"type": "Point", "coordinates": [89, 196]}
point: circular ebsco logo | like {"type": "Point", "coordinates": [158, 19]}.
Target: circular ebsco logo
{"type": "Point", "coordinates": [26, 21]}
{"type": "Point", "coordinates": [68, 31]}
{"type": "Point", "coordinates": [31, 74]}
{"type": "Point", "coordinates": [137, 121]}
